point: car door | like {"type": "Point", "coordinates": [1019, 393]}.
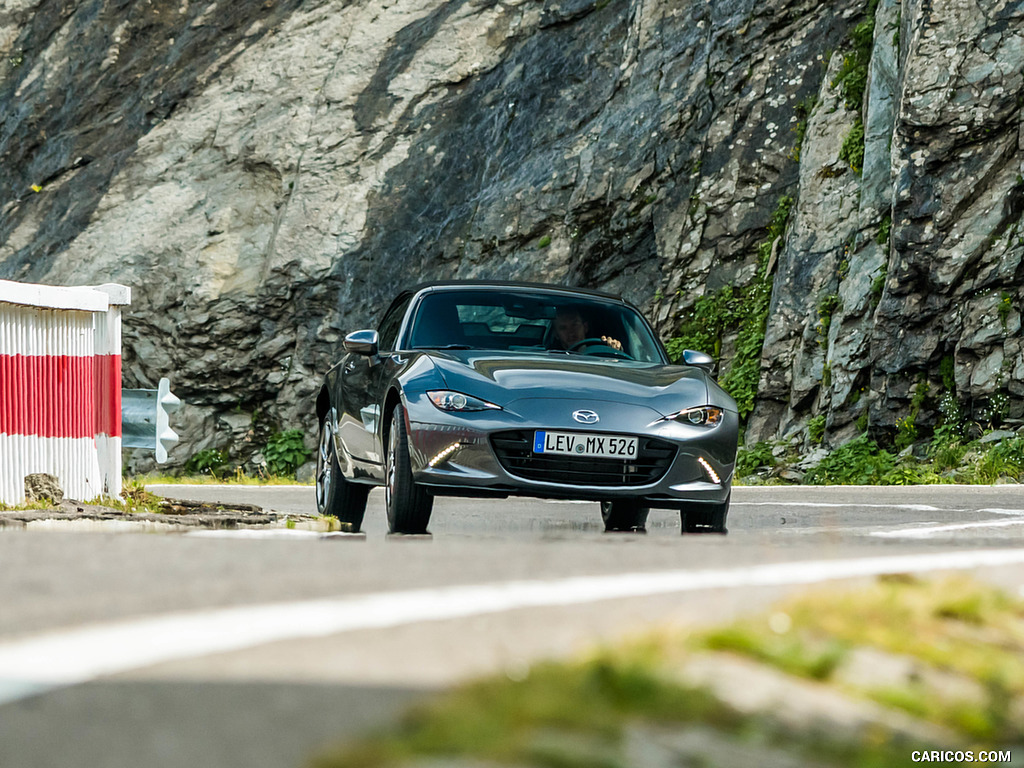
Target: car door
{"type": "Point", "coordinates": [364, 380]}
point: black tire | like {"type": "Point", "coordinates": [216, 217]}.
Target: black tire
{"type": "Point", "coordinates": [706, 518]}
{"type": "Point", "coordinates": [624, 515]}
{"type": "Point", "coordinates": [408, 505]}
{"type": "Point", "coordinates": [335, 495]}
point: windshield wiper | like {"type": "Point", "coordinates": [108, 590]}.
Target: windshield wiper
{"type": "Point", "coordinates": [449, 346]}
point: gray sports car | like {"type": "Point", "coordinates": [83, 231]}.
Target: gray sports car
{"type": "Point", "coordinates": [495, 389]}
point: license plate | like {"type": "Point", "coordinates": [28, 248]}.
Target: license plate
{"type": "Point", "coordinates": [577, 444]}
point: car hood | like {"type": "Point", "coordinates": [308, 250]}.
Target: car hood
{"type": "Point", "coordinates": [504, 378]}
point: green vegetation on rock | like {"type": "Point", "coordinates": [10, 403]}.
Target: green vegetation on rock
{"type": "Point", "coordinates": [742, 311]}
{"type": "Point", "coordinates": [827, 307]}
{"type": "Point", "coordinates": [949, 459]}
{"type": "Point", "coordinates": [816, 428]}
{"type": "Point", "coordinates": [803, 117]}
{"type": "Point", "coordinates": [207, 462]}
{"type": "Point", "coordinates": [285, 452]}
{"type": "Point", "coordinates": [852, 79]}
{"type": "Point", "coordinates": [852, 151]}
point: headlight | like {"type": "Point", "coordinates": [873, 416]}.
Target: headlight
{"type": "Point", "coordinates": [702, 416]}
{"type": "Point", "coordinates": [446, 400]}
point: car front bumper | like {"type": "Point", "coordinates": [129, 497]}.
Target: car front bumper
{"type": "Point", "coordinates": [454, 453]}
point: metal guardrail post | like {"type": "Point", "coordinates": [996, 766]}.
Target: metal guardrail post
{"type": "Point", "coordinates": [145, 421]}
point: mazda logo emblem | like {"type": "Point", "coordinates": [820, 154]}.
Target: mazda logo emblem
{"type": "Point", "coordinates": [586, 417]}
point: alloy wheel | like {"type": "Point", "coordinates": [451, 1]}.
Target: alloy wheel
{"type": "Point", "coordinates": [323, 465]}
{"type": "Point", "coordinates": [391, 461]}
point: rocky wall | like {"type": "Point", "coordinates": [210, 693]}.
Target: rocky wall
{"type": "Point", "coordinates": [266, 176]}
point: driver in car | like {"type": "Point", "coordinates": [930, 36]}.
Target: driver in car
{"type": "Point", "coordinates": [571, 329]}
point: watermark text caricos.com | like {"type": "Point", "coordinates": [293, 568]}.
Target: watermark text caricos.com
{"type": "Point", "coordinates": [960, 756]}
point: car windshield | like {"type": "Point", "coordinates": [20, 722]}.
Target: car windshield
{"type": "Point", "coordinates": [522, 321]}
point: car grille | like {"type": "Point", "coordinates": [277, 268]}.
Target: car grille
{"type": "Point", "coordinates": [515, 452]}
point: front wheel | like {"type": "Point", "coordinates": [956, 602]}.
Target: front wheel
{"type": "Point", "coordinates": [624, 515]}
{"type": "Point", "coordinates": [706, 518]}
{"type": "Point", "coordinates": [408, 505]}
{"type": "Point", "coordinates": [335, 495]}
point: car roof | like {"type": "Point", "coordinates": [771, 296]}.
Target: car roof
{"type": "Point", "coordinates": [501, 284]}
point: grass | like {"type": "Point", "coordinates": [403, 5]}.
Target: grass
{"type": "Point", "coordinates": [26, 506]}
{"type": "Point", "coordinates": [228, 478]}
{"type": "Point", "coordinates": [134, 498]}
{"type": "Point", "coordinates": [787, 651]}
{"type": "Point", "coordinates": [588, 712]}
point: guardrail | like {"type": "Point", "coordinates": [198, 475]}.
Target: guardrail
{"type": "Point", "coordinates": [60, 387]}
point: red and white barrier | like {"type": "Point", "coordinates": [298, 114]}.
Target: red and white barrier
{"type": "Point", "coordinates": [60, 387]}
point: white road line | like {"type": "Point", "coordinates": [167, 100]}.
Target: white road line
{"type": "Point", "coordinates": [826, 505]}
{"type": "Point", "coordinates": [68, 657]}
{"type": "Point", "coordinates": [924, 533]}
{"type": "Point", "coordinates": [1001, 511]}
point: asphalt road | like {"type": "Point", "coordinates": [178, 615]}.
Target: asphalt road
{"type": "Point", "coordinates": [139, 652]}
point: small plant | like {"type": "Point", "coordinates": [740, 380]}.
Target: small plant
{"type": "Point", "coordinates": [544, 242]}
{"type": "Point", "coordinates": [906, 432]}
{"type": "Point", "coordinates": [803, 117]}
{"type": "Point", "coordinates": [906, 428]}
{"type": "Point", "coordinates": [852, 151]}
{"type": "Point", "coordinates": [946, 449]}
{"type": "Point", "coordinates": [206, 462]}
{"type": "Point", "coordinates": [1005, 307]}
{"type": "Point", "coordinates": [947, 369]}
{"type": "Point", "coordinates": [749, 460]}
{"type": "Point", "coordinates": [135, 499]}
{"type": "Point", "coordinates": [878, 287]}
{"type": "Point", "coordinates": [816, 428]}
{"type": "Point", "coordinates": [884, 230]}
{"type": "Point", "coordinates": [1004, 460]}
{"type": "Point", "coordinates": [285, 452]}
{"type": "Point", "coordinates": [858, 462]}
{"type": "Point", "coordinates": [863, 421]}
{"type": "Point", "coordinates": [827, 306]}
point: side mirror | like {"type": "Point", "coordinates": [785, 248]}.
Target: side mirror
{"type": "Point", "coordinates": [699, 360]}
{"type": "Point", "coordinates": [361, 342]}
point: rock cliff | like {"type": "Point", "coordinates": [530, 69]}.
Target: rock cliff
{"type": "Point", "coordinates": [834, 189]}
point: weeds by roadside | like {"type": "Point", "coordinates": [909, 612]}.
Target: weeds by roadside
{"type": "Point", "coordinates": [947, 458]}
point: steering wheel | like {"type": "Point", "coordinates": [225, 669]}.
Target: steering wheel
{"type": "Point", "coordinates": [608, 351]}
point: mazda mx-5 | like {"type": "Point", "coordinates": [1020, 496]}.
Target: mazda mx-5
{"type": "Point", "coordinates": [495, 389]}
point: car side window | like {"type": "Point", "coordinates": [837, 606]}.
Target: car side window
{"type": "Point", "coordinates": [390, 325]}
